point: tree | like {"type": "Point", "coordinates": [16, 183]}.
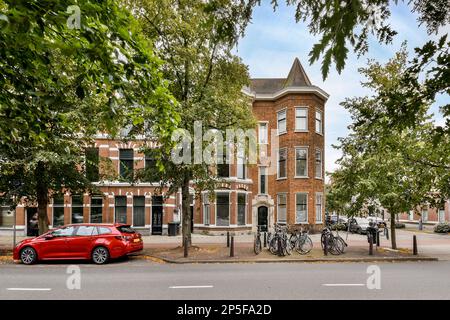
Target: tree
{"type": "Point", "coordinates": [344, 23]}
{"type": "Point", "coordinates": [68, 72]}
{"type": "Point", "coordinates": [195, 38]}
{"type": "Point", "coordinates": [378, 160]}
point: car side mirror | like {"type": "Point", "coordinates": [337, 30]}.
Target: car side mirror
{"type": "Point", "coordinates": [49, 237]}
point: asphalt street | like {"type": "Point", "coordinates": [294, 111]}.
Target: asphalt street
{"type": "Point", "coordinates": [142, 279]}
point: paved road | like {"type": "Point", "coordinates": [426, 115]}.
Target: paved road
{"type": "Point", "coordinates": [141, 279]}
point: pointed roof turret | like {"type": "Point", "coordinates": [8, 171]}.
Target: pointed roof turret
{"type": "Point", "coordinates": [297, 76]}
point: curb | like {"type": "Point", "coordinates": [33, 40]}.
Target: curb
{"type": "Point", "coordinates": [378, 259]}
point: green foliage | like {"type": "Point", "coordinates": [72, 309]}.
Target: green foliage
{"type": "Point", "coordinates": [59, 86]}
{"type": "Point", "coordinates": [380, 163]}
{"type": "Point", "coordinates": [442, 227]}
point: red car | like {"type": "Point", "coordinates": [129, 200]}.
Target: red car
{"type": "Point", "coordinates": [87, 241]}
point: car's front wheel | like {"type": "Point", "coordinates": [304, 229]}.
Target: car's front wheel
{"type": "Point", "coordinates": [28, 255]}
{"type": "Point", "coordinates": [100, 255]}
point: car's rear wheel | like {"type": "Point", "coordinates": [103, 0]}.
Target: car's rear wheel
{"type": "Point", "coordinates": [100, 255]}
{"type": "Point", "coordinates": [28, 255]}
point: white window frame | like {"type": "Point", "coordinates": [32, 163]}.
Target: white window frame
{"type": "Point", "coordinates": [266, 123]}
{"type": "Point", "coordinates": [321, 164]}
{"type": "Point", "coordinates": [321, 122]}
{"type": "Point", "coordinates": [132, 211]}
{"type": "Point", "coordinates": [307, 208]}
{"type": "Point", "coordinates": [206, 204]}
{"type": "Point", "coordinates": [241, 161]}
{"type": "Point", "coordinates": [426, 215]}
{"type": "Point", "coordinates": [319, 194]}
{"type": "Point", "coordinates": [229, 207]}
{"type": "Point", "coordinates": [307, 158]}
{"type": "Point", "coordinates": [266, 184]}
{"type": "Point", "coordinates": [306, 108]}
{"type": "Point", "coordinates": [90, 206]}
{"type": "Point", "coordinates": [278, 207]}
{"type": "Point", "coordinates": [284, 110]}
{"type": "Point", "coordinates": [443, 215]}
{"type": "Point", "coordinates": [237, 208]}
{"type": "Point", "coordinates": [278, 163]}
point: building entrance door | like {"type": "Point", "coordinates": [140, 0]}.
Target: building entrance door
{"type": "Point", "coordinates": [157, 215]}
{"type": "Point", "coordinates": [263, 217]}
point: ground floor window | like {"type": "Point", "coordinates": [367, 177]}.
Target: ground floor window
{"type": "Point", "coordinates": [77, 209]}
{"type": "Point", "coordinates": [6, 216]}
{"type": "Point", "coordinates": [223, 209]}
{"type": "Point", "coordinates": [206, 209]}
{"type": "Point", "coordinates": [242, 208]}
{"type": "Point", "coordinates": [96, 209]}
{"type": "Point", "coordinates": [319, 206]}
{"type": "Point", "coordinates": [121, 210]}
{"type": "Point", "coordinates": [301, 211]}
{"type": "Point", "coordinates": [58, 211]}
{"type": "Point", "coordinates": [281, 208]}
{"type": "Point", "coordinates": [424, 215]}
{"type": "Point", "coordinates": [139, 211]}
{"type": "Point", "coordinates": [441, 215]}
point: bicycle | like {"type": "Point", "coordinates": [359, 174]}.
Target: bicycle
{"type": "Point", "coordinates": [257, 246]}
{"type": "Point", "coordinates": [279, 242]}
{"type": "Point", "coordinates": [301, 242]}
{"type": "Point", "coordinates": [335, 244]}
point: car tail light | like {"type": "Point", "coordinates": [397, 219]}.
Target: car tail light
{"type": "Point", "coordinates": [126, 238]}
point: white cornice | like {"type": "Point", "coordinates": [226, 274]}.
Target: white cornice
{"type": "Point", "coordinates": [272, 96]}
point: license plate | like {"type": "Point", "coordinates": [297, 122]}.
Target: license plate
{"type": "Point", "coordinates": [137, 240]}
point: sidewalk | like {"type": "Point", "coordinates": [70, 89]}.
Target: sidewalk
{"type": "Point", "coordinates": [208, 248]}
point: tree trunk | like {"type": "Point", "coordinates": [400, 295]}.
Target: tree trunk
{"type": "Point", "coordinates": [42, 198]}
{"type": "Point", "coordinates": [186, 210]}
{"type": "Point", "coordinates": [393, 239]}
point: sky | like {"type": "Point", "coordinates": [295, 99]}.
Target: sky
{"type": "Point", "coordinates": [274, 39]}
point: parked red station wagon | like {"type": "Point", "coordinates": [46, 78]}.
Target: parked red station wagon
{"type": "Point", "coordinates": [86, 241]}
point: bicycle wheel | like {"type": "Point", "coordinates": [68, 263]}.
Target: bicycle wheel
{"type": "Point", "coordinates": [287, 246]}
{"type": "Point", "coordinates": [333, 247]}
{"type": "Point", "coordinates": [342, 244]}
{"type": "Point", "coordinates": [293, 240]}
{"type": "Point", "coordinates": [273, 245]}
{"type": "Point", "coordinates": [322, 240]}
{"type": "Point", "coordinates": [257, 245]}
{"type": "Point", "coordinates": [304, 245]}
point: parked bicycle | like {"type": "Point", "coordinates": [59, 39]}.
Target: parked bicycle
{"type": "Point", "coordinates": [335, 243]}
{"type": "Point", "coordinates": [257, 246]}
{"type": "Point", "coordinates": [279, 242]}
{"type": "Point", "coordinates": [300, 241]}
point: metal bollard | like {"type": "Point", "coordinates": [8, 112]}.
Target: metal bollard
{"type": "Point", "coordinates": [232, 247]}
{"type": "Point", "coordinates": [378, 239]}
{"type": "Point", "coordinates": [414, 245]}
{"type": "Point", "coordinates": [371, 245]}
{"type": "Point", "coordinates": [228, 239]}
{"type": "Point", "coordinates": [265, 239]}
{"type": "Point", "coordinates": [186, 247]}
{"type": "Point", "coordinates": [387, 233]}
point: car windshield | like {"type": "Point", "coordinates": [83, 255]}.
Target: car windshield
{"type": "Point", "coordinates": [362, 220]}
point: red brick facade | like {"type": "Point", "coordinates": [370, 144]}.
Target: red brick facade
{"type": "Point", "coordinates": [269, 97]}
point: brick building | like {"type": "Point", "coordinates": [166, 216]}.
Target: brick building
{"type": "Point", "coordinates": [250, 194]}
{"type": "Point", "coordinates": [428, 214]}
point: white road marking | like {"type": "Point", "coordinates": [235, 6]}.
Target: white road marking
{"type": "Point", "coordinates": [343, 284]}
{"type": "Point", "coordinates": [28, 289]}
{"type": "Point", "coordinates": [190, 287]}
